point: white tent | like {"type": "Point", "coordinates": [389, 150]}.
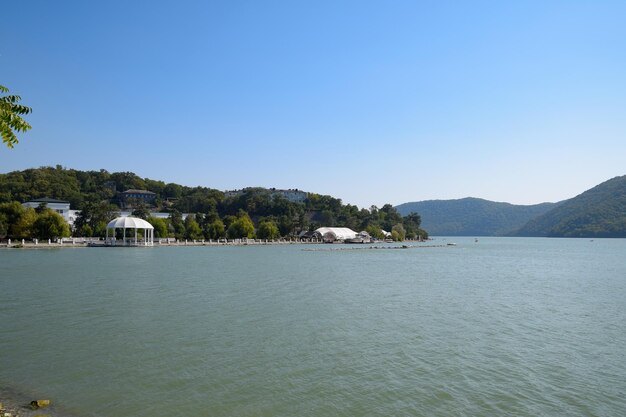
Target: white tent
{"type": "Point", "coordinates": [131, 223]}
{"type": "Point", "coordinates": [336, 233]}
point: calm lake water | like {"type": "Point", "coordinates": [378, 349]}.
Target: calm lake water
{"type": "Point", "coordinates": [518, 327]}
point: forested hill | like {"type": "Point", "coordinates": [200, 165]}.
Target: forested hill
{"type": "Point", "coordinates": [213, 213]}
{"type": "Point", "coordinates": [473, 216]}
{"type": "Point", "coordinates": [84, 187]}
{"type": "Point", "coordinates": [598, 212]}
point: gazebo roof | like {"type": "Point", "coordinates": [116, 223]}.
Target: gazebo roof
{"type": "Point", "coordinates": [129, 223]}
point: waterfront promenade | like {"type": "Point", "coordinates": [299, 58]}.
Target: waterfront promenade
{"type": "Point", "coordinates": [86, 242]}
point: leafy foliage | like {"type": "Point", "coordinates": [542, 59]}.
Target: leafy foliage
{"type": "Point", "coordinates": [215, 230]}
{"type": "Point", "coordinates": [50, 225]}
{"type": "Point", "coordinates": [192, 228]}
{"type": "Point", "coordinates": [10, 117]}
{"type": "Point", "coordinates": [94, 217]}
{"type": "Point", "coordinates": [160, 226]}
{"type": "Point", "coordinates": [268, 230]}
{"type": "Point", "coordinates": [398, 233]}
{"type": "Point", "coordinates": [19, 222]}
{"type": "Point", "coordinates": [242, 227]}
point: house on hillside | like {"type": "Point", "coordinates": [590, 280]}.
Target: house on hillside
{"type": "Point", "coordinates": [128, 197]}
{"type": "Point", "coordinates": [294, 196]}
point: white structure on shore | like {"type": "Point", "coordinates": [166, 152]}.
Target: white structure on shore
{"type": "Point", "coordinates": [59, 206]}
{"type": "Point", "coordinates": [158, 215]}
{"type": "Point", "coordinates": [130, 223]}
{"type": "Point", "coordinates": [334, 234]}
{"type": "Point", "coordinates": [70, 216]}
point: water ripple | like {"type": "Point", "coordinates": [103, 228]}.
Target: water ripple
{"type": "Point", "coordinates": [507, 327]}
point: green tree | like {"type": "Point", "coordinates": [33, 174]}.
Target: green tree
{"type": "Point", "coordinates": [388, 217]}
{"type": "Point", "coordinates": [4, 226]}
{"type": "Point", "coordinates": [285, 225]}
{"type": "Point", "coordinates": [173, 191]}
{"type": "Point", "coordinates": [176, 220]}
{"type": "Point", "coordinates": [10, 117]}
{"type": "Point", "coordinates": [228, 220]}
{"type": "Point", "coordinates": [327, 218]}
{"type": "Point", "coordinates": [398, 233]}
{"type": "Point", "coordinates": [215, 230]}
{"type": "Point", "coordinates": [10, 215]}
{"type": "Point", "coordinates": [241, 228]}
{"type": "Point", "coordinates": [50, 225]}
{"type": "Point", "coordinates": [96, 216]}
{"type": "Point", "coordinates": [192, 228]}
{"type": "Point", "coordinates": [375, 232]}
{"type": "Point", "coordinates": [160, 226]}
{"type": "Point", "coordinates": [23, 227]}
{"type": "Point", "coordinates": [86, 231]}
{"type": "Point", "coordinates": [140, 210]}
{"type": "Point", "coordinates": [411, 223]}
{"type": "Point", "coordinates": [267, 230]}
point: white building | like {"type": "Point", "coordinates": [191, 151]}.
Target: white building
{"type": "Point", "coordinates": [63, 208]}
{"type": "Point", "coordinates": [59, 206]}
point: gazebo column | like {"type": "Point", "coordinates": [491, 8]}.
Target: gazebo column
{"type": "Point", "coordinates": [124, 239]}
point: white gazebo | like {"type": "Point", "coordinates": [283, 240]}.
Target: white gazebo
{"type": "Point", "coordinates": [131, 223]}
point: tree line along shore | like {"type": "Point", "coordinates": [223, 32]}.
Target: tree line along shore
{"type": "Point", "coordinates": [193, 213]}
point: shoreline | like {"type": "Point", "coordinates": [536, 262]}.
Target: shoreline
{"type": "Point", "coordinates": [17, 404]}
{"type": "Point", "coordinates": [221, 242]}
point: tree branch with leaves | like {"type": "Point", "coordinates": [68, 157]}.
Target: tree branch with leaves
{"type": "Point", "coordinates": [10, 117]}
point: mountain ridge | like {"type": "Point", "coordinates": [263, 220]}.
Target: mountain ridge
{"type": "Point", "coordinates": [471, 216]}
{"type": "Point", "coordinates": [597, 212]}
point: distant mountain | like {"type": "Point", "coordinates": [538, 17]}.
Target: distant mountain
{"type": "Point", "coordinates": [473, 216]}
{"type": "Point", "coordinates": [598, 212]}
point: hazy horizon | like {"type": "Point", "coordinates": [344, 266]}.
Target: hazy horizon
{"type": "Point", "coordinates": [368, 102]}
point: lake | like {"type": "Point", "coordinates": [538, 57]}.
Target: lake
{"type": "Point", "coordinates": [501, 326]}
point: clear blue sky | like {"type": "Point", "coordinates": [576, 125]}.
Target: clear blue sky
{"type": "Point", "coordinates": [371, 102]}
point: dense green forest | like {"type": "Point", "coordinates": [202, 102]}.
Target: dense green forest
{"type": "Point", "coordinates": [598, 212]}
{"type": "Point", "coordinates": [473, 216]}
{"type": "Point", "coordinates": [254, 212]}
